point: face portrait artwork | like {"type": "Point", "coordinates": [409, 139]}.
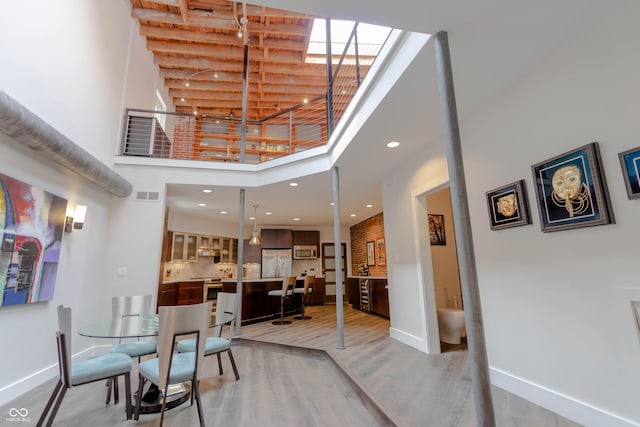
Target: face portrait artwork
{"type": "Point", "coordinates": [507, 205]}
{"type": "Point", "coordinates": [569, 192]}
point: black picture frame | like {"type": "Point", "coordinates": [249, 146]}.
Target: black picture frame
{"type": "Point", "coordinates": [436, 230]}
{"type": "Point", "coordinates": [571, 190]}
{"type": "Point", "coordinates": [630, 163]}
{"type": "Point", "coordinates": [508, 206]}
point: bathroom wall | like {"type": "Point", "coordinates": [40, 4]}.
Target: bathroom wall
{"type": "Point", "coordinates": [444, 257]}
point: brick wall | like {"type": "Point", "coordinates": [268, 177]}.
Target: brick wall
{"type": "Point", "coordinates": [369, 230]}
{"type": "Point", "coordinates": [183, 138]}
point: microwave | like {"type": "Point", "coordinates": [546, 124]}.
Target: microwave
{"type": "Point", "coordinates": [305, 252]}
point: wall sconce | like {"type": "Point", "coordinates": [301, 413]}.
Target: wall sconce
{"type": "Point", "coordinates": [77, 220]}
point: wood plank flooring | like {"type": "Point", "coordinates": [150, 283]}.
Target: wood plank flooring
{"type": "Point", "coordinates": [282, 384]}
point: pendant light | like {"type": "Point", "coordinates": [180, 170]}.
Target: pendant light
{"type": "Point", "coordinates": [255, 236]}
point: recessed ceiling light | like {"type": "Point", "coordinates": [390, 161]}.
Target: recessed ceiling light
{"type": "Point", "coordinates": [267, 213]}
{"type": "Point", "coordinates": [306, 101]}
{"type": "Point", "coordinates": [182, 99]}
{"type": "Point", "coordinates": [186, 84]}
{"type": "Point", "coordinates": [353, 214]}
{"type": "Point", "coordinates": [393, 144]}
{"type": "Point", "coordinates": [215, 76]}
{"type": "Point", "coordinates": [195, 113]}
{"type": "Point", "coordinates": [332, 204]}
{"type": "Point", "coordinates": [293, 184]}
{"type": "Point", "coordinates": [202, 204]}
{"type": "Point", "coordinates": [251, 218]}
{"type": "Point", "coordinates": [296, 219]}
{"type": "Point", "coordinates": [223, 212]}
{"type": "Point", "coordinates": [206, 190]}
{"type": "Point", "coordinates": [369, 205]}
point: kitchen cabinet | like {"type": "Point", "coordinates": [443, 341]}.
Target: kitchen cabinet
{"type": "Point", "coordinates": [276, 238]}
{"type": "Point", "coordinates": [168, 294]}
{"type": "Point", "coordinates": [369, 294]}
{"type": "Point", "coordinates": [229, 250]}
{"type": "Point", "coordinates": [306, 238]}
{"type": "Point", "coordinates": [379, 297]}
{"type": "Point", "coordinates": [184, 247]}
{"type": "Point", "coordinates": [251, 253]}
{"type": "Point", "coordinates": [190, 293]}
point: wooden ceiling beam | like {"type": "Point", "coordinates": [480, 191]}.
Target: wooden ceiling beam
{"type": "Point", "coordinates": [212, 20]}
{"type": "Point", "coordinates": [177, 34]}
{"type": "Point", "coordinates": [223, 52]}
{"type": "Point", "coordinates": [170, 61]}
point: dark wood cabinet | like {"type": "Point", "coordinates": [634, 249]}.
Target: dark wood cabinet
{"type": "Point", "coordinates": [276, 238]}
{"type": "Point", "coordinates": [306, 238]}
{"type": "Point", "coordinates": [190, 293]}
{"type": "Point", "coordinates": [379, 297]}
{"type": "Point", "coordinates": [251, 253]}
{"type": "Point", "coordinates": [168, 294]}
{"type": "Point", "coordinates": [353, 292]}
{"type": "Point", "coordinates": [180, 293]}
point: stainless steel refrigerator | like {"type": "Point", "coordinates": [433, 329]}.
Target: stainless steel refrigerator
{"type": "Point", "coordinates": [276, 262]}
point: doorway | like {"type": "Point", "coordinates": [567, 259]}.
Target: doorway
{"type": "Point", "coordinates": [444, 257]}
{"type": "Point", "coordinates": [329, 269]}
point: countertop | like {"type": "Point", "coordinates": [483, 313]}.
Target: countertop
{"type": "Point", "coordinates": [265, 279]}
{"type": "Point", "coordinates": [200, 279]}
{"type": "Point", "coordinates": [367, 277]}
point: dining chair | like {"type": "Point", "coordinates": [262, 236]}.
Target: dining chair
{"type": "Point", "coordinates": [305, 291]}
{"type": "Point", "coordinates": [126, 310]}
{"type": "Point", "coordinates": [288, 284]}
{"type": "Point", "coordinates": [99, 368]}
{"type": "Point", "coordinates": [225, 315]}
{"type": "Point", "coordinates": [171, 367]}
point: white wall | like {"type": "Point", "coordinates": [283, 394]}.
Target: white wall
{"type": "Point", "coordinates": [70, 70]}
{"type": "Point", "coordinates": [558, 324]}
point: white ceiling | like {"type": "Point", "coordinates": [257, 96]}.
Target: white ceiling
{"type": "Point", "coordinates": [493, 44]}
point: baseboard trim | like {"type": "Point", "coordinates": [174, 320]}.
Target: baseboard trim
{"type": "Point", "coordinates": [408, 339]}
{"type": "Point", "coordinates": [28, 383]}
{"type": "Point", "coordinates": [559, 403]}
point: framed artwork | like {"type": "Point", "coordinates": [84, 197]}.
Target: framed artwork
{"type": "Point", "coordinates": [436, 229]}
{"type": "Point", "coordinates": [31, 228]}
{"type": "Point", "coordinates": [380, 252]}
{"type": "Point", "coordinates": [371, 253]}
{"type": "Point", "coordinates": [630, 162]}
{"type": "Point", "coordinates": [571, 190]}
{"type": "Point", "coordinates": [508, 206]}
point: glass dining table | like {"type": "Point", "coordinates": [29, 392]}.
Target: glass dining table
{"type": "Point", "coordinates": [137, 327]}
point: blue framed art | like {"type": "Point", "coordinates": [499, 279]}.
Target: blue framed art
{"type": "Point", "coordinates": [571, 190]}
{"type": "Point", "coordinates": [630, 162]}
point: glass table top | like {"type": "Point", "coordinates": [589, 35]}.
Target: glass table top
{"type": "Point", "coordinates": [126, 327]}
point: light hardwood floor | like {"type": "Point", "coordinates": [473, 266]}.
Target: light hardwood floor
{"type": "Point", "coordinates": [293, 375]}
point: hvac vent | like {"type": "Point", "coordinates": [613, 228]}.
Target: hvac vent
{"type": "Point", "coordinates": [150, 196]}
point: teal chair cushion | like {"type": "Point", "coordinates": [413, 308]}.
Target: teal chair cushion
{"type": "Point", "coordinates": [135, 348]}
{"type": "Point", "coordinates": [96, 368]}
{"type": "Point", "coordinates": [212, 346]}
{"type": "Point", "coordinates": [182, 367]}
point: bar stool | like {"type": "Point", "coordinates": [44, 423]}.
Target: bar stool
{"type": "Point", "coordinates": [305, 291]}
{"type": "Point", "coordinates": [288, 284]}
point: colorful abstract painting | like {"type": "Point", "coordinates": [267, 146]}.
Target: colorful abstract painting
{"type": "Point", "coordinates": [31, 228]}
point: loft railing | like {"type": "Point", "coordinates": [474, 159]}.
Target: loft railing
{"type": "Point", "coordinates": [171, 135]}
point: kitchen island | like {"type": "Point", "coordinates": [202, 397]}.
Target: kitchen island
{"type": "Point", "coordinates": [257, 305]}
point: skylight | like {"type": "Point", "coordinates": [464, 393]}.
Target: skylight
{"type": "Point", "coordinates": [370, 41]}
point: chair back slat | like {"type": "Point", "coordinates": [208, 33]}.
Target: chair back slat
{"type": "Point", "coordinates": [176, 320]}
{"type": "Point", "coordinates": [128, 311]}
{"type": "Point", "coordinates": [225, 312]}
{"type": "Point", "coordinates": [63, 360]}
{"type": "Point", "coordinates": [308, 283]}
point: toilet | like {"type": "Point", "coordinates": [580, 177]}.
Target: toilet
{"type": "Point", "coordinates": [450, 320]}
